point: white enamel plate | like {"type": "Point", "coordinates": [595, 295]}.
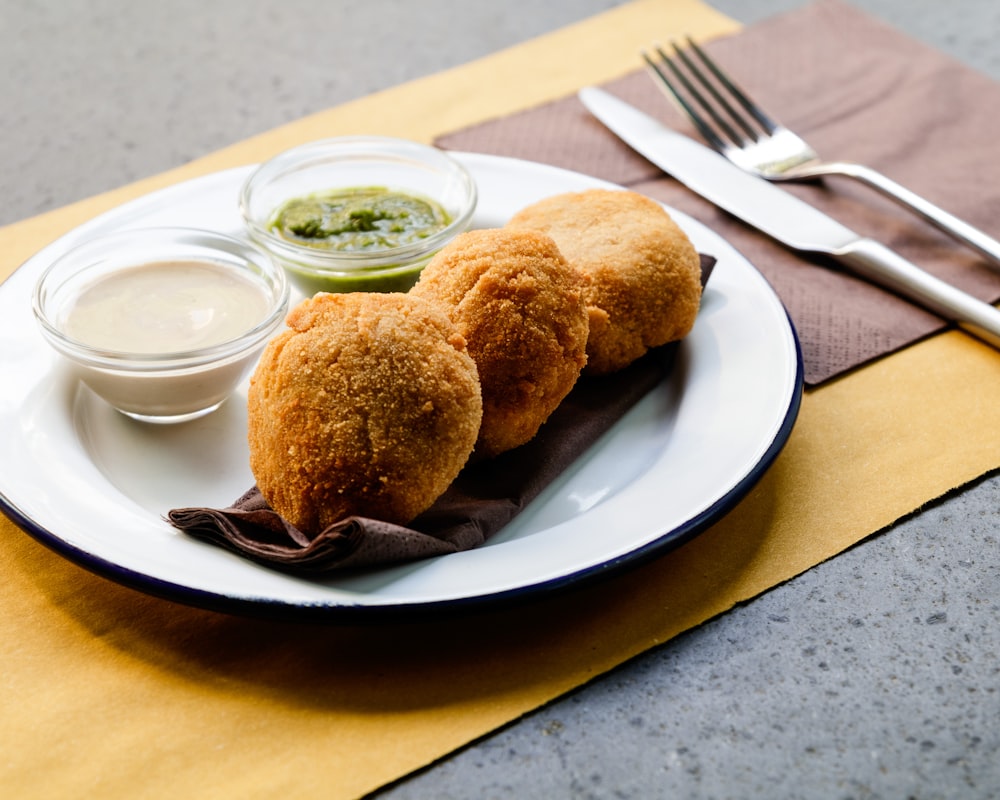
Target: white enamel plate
{"type": "Point", "coordinates": [94, 486]}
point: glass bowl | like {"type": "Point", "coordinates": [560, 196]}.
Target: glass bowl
{"type": "Point", "coordinates": [350, 163]}
{"type": "Point", "coordinates": [162, 323]}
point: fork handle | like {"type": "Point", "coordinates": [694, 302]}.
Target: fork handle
{"type": "Point", "coordinates": [963, 232]}
{"type": "Point", "coordinates": [883, 266]}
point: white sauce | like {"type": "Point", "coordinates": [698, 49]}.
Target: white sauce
{"type": "Point", "coordinates": [165, 307]}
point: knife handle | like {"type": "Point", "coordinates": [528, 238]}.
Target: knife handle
{"type": "Point", "coordinates": [880, 265]}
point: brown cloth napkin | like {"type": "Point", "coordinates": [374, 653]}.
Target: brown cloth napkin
{"type": "Point", "coordinates": [857, 90]}
{"type": "Point", "coordinates": [484, 497]}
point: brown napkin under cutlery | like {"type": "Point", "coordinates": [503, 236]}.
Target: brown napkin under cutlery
{"type": "Point", "coordinates": [861, 92]}
{"type": "Point", "coordinates": [484, 497]}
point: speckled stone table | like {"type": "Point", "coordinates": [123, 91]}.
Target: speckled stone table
{"type": "Point", "coordinates": [873, 675]}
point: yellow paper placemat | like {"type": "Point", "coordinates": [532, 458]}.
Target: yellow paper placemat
{"type": "Point", "coordinates": [111, 693]}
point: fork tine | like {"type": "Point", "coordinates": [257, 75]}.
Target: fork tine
{"type": "Point", "coordinates": [706, 130]}
{"type": "Point", "coordinates": [714, 92]}
{"type": "Point", "coordinates": [752, 108]}
{"type": "Point", "coordinates": [710, 98]}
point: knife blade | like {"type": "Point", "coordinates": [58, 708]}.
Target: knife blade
{"type": "Point", "coordinates": [786, 218]}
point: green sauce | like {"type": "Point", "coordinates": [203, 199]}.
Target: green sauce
{"type": "Point", "coordinates": [400, 279]}
{"type": "Point", "coordinates": [361, 219]}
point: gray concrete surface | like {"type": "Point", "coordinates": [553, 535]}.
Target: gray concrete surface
{"type": "Point", "coordinates": [874, 675]}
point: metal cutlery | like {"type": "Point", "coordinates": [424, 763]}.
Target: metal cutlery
{"type": "Point", "coordinates": [742, 131]}
{"type": "Point", "coordinates": [784, 217]}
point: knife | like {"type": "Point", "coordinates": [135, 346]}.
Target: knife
{"type": "Point", "coordinates": [784, 217]}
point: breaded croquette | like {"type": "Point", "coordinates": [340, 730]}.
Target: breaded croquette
{"type": "Point", "coordinates": [644, 274]}
{"type": "Point", "coordinates": [520, 307]}
{"type": "Point", "coordinates": [368, 405]}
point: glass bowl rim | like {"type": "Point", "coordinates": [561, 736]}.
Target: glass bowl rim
{"type": "Point", "coordinates": [268, 275]}
{"type": "Point", "coordinates": [356, 148]}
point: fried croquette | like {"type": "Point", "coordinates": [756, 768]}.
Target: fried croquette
{"type": "Point", "coordinates": [368, 405]}
{"type": "Point", "coordinates": [520, 307]}
{"type": "Point", "coordinates": [644, 273]}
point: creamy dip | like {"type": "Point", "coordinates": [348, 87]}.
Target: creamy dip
{"type": "Point", "coordinates": [165, 307]}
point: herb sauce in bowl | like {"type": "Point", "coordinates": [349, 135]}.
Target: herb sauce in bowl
{"type": "Point", "coordinates": [356, 219]}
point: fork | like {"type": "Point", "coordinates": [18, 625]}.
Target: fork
{"type": "Point", "coordinates": [743, 132]}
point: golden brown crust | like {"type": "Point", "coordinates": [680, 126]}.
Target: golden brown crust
{"type": "Point", "coordinates": [520, 307]}
{"type": "Point", "coordinates": [644, 274]}
{"type": "Point", "coordinates": [368, 405]}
